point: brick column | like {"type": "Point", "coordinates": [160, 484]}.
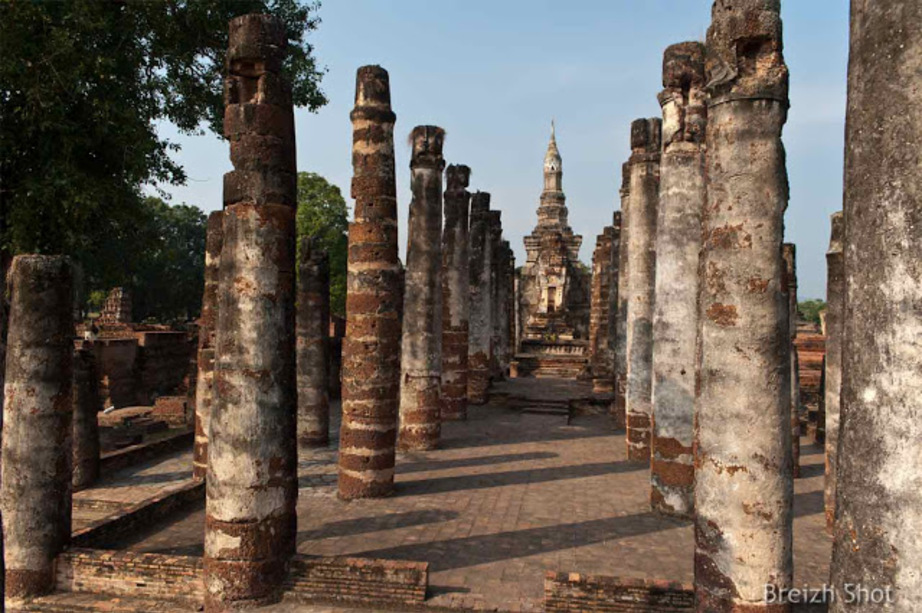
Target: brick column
{"type": "Point", "coordinates": [743, 482]}
{"type": "Point", "coordinates": [87, 405]}
{"type": "Point", "coordinates": [250, 520]}
{"type": "Point", "coordinates": [878, 513]}
{"type": "Point", "coordinates": [835, 311]}
{"type": "Point", "coordinates": [481, 322]}
{"type": "Point", "coordinates": [613, 281]}
{"type": "Point", "coordinates": [313, 345]}
{"type": "Point", "coordinates": [644, 195]}
{"type": "Point", "coordinates": [456, 285]}
{"type": "Point", "coordinates": [204, 382]}
{"type": "Point", "coordinates": [678, 240]}
{"type": "Point", "coordinates": [371, 348]}
{"type": "Point", "coordinates": [421, 347]}
{"type": "Point", "coordinates": [618, 406]}
{"type": "Point", "coordinates": [496, 301]}
{"type": "Point", "coordinates": [509, 311]}
{"type": "Point", "coordinates": [600, 362]}
{"type": "Point", "coordinates": [37, 430]}
{"type": "Point", "coordinates": [789, 254]}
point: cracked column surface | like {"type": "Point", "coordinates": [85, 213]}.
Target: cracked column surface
{"type": "Point", "coordinates": [878, 517]}
{"type": "Point", "coordinates": [835, 311]}
{"type": "Point", "coordinates": [456, 285]}
{"type": "Point", "coordinates": [421, 347]}
{"type": "Point", "coordinates": [743, 482]}
{"type": "Point", "coordinates": [204, 386]}
{"type": "Point", "coordinates": [789, 253]}
{"type": "Point", "coordinates": [481, 322]}
{"type": "Point", "coordinates": [644, 195]}
{"type": "Point", "coordinates": [313, 345]}
{"type": "Point", "coordinates": [371, 348]}
{"type": "Point", "coordinates": [618, 408]}
{"type": "Point", "coordinates": [37, 429]}
{"type": "Point", "coordinates": [600, 359]}
{"type": "Point", "coordinates": [250, 520]}
{"type": "Point", "coordinates": [682, 198]}
{"type": "Point", "coordinates": [87, 405]}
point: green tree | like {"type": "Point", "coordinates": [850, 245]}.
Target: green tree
{"type": "Point", "coordinates": [167, 271]}
{"type": "Point", "coordinates": [323, 214]}
{"type": "Point", "coordinates": [82, 84]}
{"type": "Point", "coordinates": [810, 309]}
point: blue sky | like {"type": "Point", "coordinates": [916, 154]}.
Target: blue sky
{"type": "Point", "coordinates": [494, 74]}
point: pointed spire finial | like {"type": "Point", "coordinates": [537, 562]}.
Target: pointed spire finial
{"type": "Point", "coordinates": [553, 130]}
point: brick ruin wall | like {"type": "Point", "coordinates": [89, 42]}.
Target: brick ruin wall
{"type": "Point", "coordinates": [179, 578]}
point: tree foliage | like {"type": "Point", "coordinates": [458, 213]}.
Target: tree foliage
{"type": "Point", "coordinates": [323, 214]}
{"type": "Point", "coordinates": [810, 309]}
{"type": "Point", "coordinates": [82, 84]}
{"type": "Point", "coordinates": [168, 262]}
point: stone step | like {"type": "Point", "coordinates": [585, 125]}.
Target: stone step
{"type": "Point", "coordinates": [547, 410]}
{"type": "Point", "coordinates": [78, 602]}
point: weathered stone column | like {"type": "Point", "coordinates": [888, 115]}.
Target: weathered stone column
{"type": "Point", "coordinates": [682, 198]}
{"type": "Point", "coordinates": [743, 482]}
{"type": "Point", "coordinates": [313, 345]}
{"type": "Point", "coordinates": [204, 382]}
{"type": "Point", "coordinates": [496, 300]}
{"type": "Point", "coordinates": [618, 406]}
{"type": "Point", "coordinates": [481, 322]}
{"type": "Point", "coordinates": [456, 283]}
{"type": "Point", "coordinates": [371, 348]}
{"type": "Point", "coordinates": [644, 195]}
{"type": "Point", "coordinates": [87, 405]}
{"type": "Point", "coordinates": [509, 312]}
{"type": "Point", "coordinates": [789, 254]}
{"type": "Point", "coordinates": [879, 489]}
{"type": "Point", "coordinates": [250, 520]}
{"type": "Point", "coordinates": [600, 358]}
{"type": "Point", "coordinates": [613, 280]}
{"type": "Point", "coordinates": [835, 311]}
{"type": "Point", "coordinates": [421, 348]}
{"type": "Point", "coordinates": [37, 430]}
{"type": "Point", "coordinates": [503, 292]}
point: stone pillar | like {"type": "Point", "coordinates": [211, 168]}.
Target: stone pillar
{"type": "Point", "coordinates": [313, 345]}
{"type": "Point", "coordinates": [511, 301]}
{"type": "Point", "coordinates": [644, 195]}
{"type": "Point", "coordinates": [613, 279]}
{"type": "Point", "coordinates": [87, 404]}
{"type": "Point", "coordinates": [456, 283]}
{"type": "Point", "coordinates": [421, 348]}
{"type": "Point", "coordinates": [832, 386]}
{"type": "Point", "coordinates": [743, 482]}
{"type": "Point", "coordinates": [37, 430]}
{"type": "Point", "coordinates": [503, 293]}
{"type": "Point", "coordinates": [250, 520]}
{"type": "Point", "coordinates": [878, 513]}
{"type": "Point", "coordinates": [789, 254]}
{"type": "Point", "coordinates": [371, 348]}
{"type": "Point", "coordinates": [204, 383]}
{"type": "Point", "coordinates": [496, 301]}
{"type": "Point", "coordinates": [682, 197]}
{"type": "Point", "coordinates": [481, 322]}
{"type": "Point", "coordinates": [618, 406]}
{"type": "Point", "coordinates": [600, 359]}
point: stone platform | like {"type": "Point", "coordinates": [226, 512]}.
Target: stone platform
{"type": "Point", "coordinates": [509, 496]}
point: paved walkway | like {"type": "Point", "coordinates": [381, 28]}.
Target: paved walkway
{"type": "Point", "coordinates": [129, 486]}
{"type": "Point", "coordinates": [508, 496]}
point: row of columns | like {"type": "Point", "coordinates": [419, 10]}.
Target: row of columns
{"type": "Point", "coordinates": [742, 436]}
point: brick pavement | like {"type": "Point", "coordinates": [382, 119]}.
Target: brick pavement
{"type": "Point", "coordinates": [508, 496]}
{"type": "Point", "coordinates": [130, 485]}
